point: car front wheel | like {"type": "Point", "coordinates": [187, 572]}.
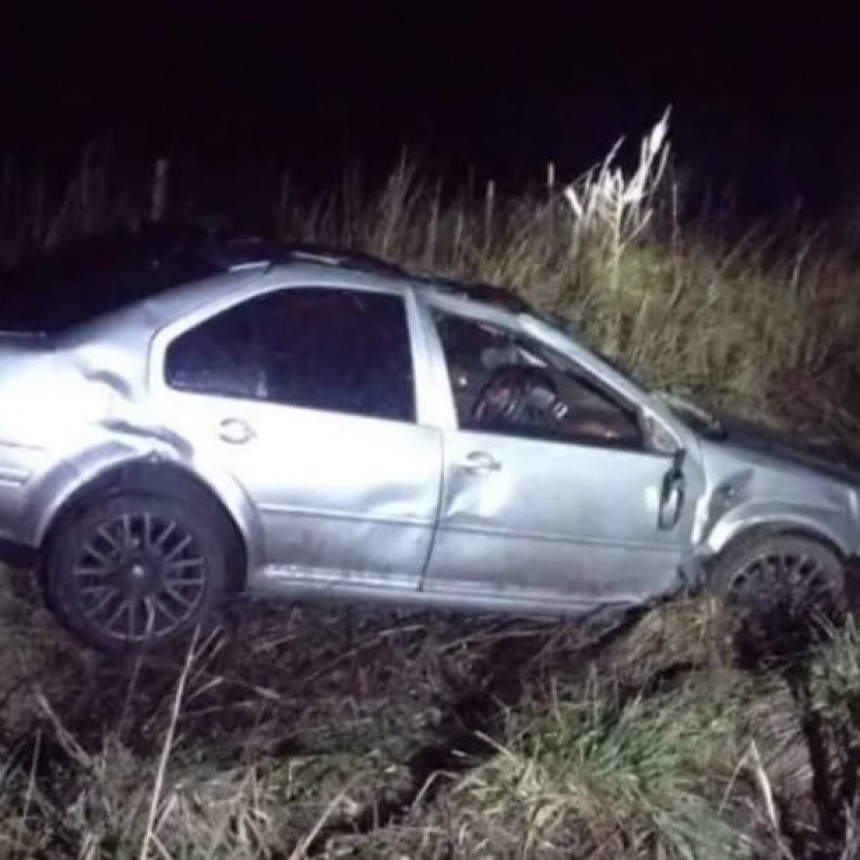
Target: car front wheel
{"type": "Point", "coordinates": [781, 576]}
{"type": "Point", "coordinates": [135, 570]}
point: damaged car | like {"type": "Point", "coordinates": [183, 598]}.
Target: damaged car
{"type": "Point", "coordinates": [201, 421]}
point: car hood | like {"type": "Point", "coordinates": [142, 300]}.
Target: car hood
{"type": "Point", "coordinates": [781, 448]}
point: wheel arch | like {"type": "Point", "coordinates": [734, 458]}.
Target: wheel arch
{"type": "Point", "coordinates": [170, 479]}
{"type": "Point", "coordinates": [777, 528]}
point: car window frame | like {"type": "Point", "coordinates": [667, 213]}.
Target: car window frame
{"type": "Point", "coordinates": [425, 400]}
{"type": "Point", "coordinates": [510, 322]}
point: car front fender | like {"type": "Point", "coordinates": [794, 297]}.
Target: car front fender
{"type": "Point", "coordinates": [834, 524]}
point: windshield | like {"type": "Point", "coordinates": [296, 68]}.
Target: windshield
{"type": "Point", "coordinates": [570, 330]}
{"type": "Point", "coordinates": [695, 416]}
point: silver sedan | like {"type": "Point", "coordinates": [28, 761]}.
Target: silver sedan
{"type": "Point", "coordinates": [317, 425]}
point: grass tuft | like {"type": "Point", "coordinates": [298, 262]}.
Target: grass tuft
{"type": "Point", "coordinates": [612, 772]}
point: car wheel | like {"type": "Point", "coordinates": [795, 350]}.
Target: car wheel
{"type": "Point", "coordinates": [135, 570]}
{"type": "Point", "coordinates": [781, 576]}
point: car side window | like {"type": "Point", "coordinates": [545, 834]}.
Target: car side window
{"type": "Point", "coordinates": [219, 357]}
{"type": "Point", "coordinates": [339, 350]}
{"type": "Point", "coordinates": [506, 382]}
{"type": "Point", "coordinates": [326, 348]}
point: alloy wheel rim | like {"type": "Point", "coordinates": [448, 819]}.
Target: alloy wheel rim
{"type": "Point", "coordinates": [796, 582]}
{"type": "Point", "coordinates": [139, 576]}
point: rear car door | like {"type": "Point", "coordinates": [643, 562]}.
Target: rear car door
{"type": "Point", "coordinates": [562, 518]}
{"type": "Point", "coordinates": [307, 395]}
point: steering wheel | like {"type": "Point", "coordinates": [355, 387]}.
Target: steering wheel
{"type": "Point", "coordinates": [515, 394]}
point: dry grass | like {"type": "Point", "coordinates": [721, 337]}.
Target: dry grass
{"type": "Point", "coordinates": [293, 732]}
{"type": "Point", "coordinates": [301, 731]}
{"type": "Point", "coordinates": [763, 323]}
{"type": "Point", "coordinates": [284, 724]}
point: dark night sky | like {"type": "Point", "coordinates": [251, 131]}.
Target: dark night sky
{"type": "Point", "coordinates": [760, 91]}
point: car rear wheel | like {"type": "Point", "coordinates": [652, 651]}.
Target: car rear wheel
{"type": "Point", "coordinates": [782, 577]}
{"type": "Point", "coordinates": [135, 570]}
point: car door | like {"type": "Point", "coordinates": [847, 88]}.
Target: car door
{"type": "Point", "coordinates": [563, 520]}
{"type": "Point", "coordinates": [307, 396]}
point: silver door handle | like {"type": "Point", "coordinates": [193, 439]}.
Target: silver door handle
{"type": "Point", "coordinates": [671, 501]}
{"type": "Point", "coordinates": [479, 461]}
{"type": "Point", "coordinates": [235, 431]}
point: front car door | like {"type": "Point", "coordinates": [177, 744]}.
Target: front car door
{"type": "Point", "coordinates": [307, 395]}
{"type": "Point", "coordinates": [569, 518]}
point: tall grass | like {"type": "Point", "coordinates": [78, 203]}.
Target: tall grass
{"type": "Point", "coordinates": [762, 324]}
{"type": "Point", "coordinates": [606, 776]}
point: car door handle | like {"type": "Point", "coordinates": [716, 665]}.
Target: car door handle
{"type": "Point", "coordinates": [235, 431]}
{"type": "Point", "coordinates": [478, 462]}
{"type": "Point", "coordinates": [671, 500]}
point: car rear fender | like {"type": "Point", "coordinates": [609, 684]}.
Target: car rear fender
{"type": "Point", "coordinates": [120, 463]}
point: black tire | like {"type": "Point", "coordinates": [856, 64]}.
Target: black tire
{"type": "Point", "coordinates": [786, 576]}
{"type": "Point", "coordinates": [165, 559]}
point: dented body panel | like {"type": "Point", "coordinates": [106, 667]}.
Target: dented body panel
{"type": "Point", "coordinates": [546, 523]}
{"type": "Point", "coordinates": [423, 510]}
{"type": "Point", "coordinates": [750, 488]}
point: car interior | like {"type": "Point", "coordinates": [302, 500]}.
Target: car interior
{"type": "Point", "coordinates": [507, 383]}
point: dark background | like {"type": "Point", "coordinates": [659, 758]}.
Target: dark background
{"type": "Point", "coordinates": [765, 97]}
